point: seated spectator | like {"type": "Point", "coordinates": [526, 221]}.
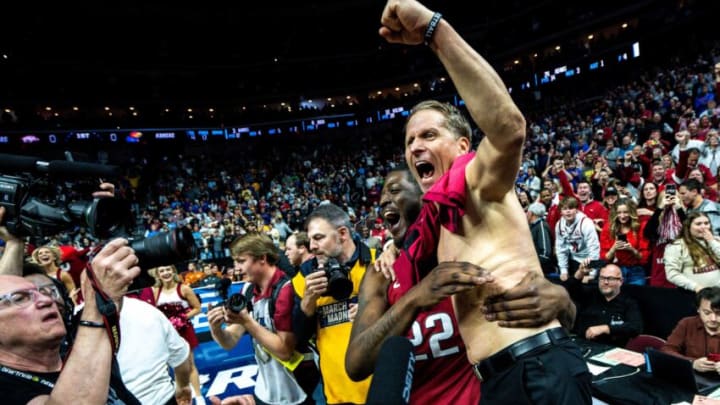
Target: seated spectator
{"type": "Point", "coordinates": [193, 274]}
{"type": "Point", "coordinates": [691, 261]}
{"type": "Point", "coordinates": [607, 315]}
{"type": "Point", "coordinates": [695, 337]}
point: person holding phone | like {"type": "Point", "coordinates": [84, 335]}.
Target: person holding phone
{"type": "Point", "coordinates": [622, 242]}
{"type": "Point", "coordinates": [697, 338]}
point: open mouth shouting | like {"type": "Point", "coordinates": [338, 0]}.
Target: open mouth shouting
{"type": "Point", "coordinates": [425, 172]}
{"type": "Point", "coordinates": [393, 219]}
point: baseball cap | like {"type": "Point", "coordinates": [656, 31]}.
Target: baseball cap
{"type": "Point", "coordinates": [611, 191]}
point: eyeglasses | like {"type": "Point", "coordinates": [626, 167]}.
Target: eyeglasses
{"type": "Point", "coordinates": [23, 298]}
{"type": "Point", "coordinates": [609, 279]}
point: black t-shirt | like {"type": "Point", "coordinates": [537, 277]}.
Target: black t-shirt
{"type": "Point", "coordinates": [18, 387]}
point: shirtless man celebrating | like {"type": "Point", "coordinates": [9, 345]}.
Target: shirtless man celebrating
{"type": "Point", "coordinates": [471, 214]}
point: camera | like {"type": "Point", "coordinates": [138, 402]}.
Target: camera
{"type": "Point", "coordinates": [39, 202]}
{"type": "Point", "coordinates": [159, 250]}
{"type": "Point", "coordinates": [236, 302]}
{"type": "Point", "coordinates": [339, 284]}
{"type": "Point", "coordinates": [670, 189]}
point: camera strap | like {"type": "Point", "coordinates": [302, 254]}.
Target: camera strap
{"type": "Point", "coordinates": [107, 308]}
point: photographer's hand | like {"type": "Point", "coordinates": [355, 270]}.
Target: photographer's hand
{"type": "Point", "coordinates": [228, 337]}
{"type": "Point", "coordinates": [115, 267]}
{"type": "Point", "coordinates": [240, 318]}
{"type": "Point", "coordinates": [315, 286]}
{"type": "Point", "coordinates": [12, 258]}
{"type": "Point", "coordinates": [216, 317]}
{"type": "Point", "coordinates": [107, 190]}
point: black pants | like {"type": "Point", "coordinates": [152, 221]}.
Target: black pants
{"type": "Point", "coordinates": [307, 375]}
{"type": "Point", "coordinates": [558, 375]}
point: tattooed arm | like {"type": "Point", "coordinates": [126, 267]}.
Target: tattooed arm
{"type": "Point", "coordinates": [376, 321]}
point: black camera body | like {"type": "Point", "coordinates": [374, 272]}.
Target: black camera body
{"type": "Point", "coordinates": [36, 204]}
{"type": "Point", "coordinates": [237, 302]}
{"type": "Point", "coordinates": [339, 284]}
{"type": "Point", "coordinates": [39, 202]}
{"type": "Point", "coordinates": [30, 215]}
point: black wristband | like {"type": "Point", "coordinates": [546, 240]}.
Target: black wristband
{"type": "Point", "coordinates": [91, 324]}
{"type": "Point", "coordinates": [430, 30]}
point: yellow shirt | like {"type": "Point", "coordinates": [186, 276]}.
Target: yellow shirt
{"type": "Point", "coordinates": [333, 336]}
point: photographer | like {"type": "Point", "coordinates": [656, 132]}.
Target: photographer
{"type": "Point", "coordinates": [326, 303]}
{"type": "Point", "coordinates": [32, 369]}
{"type": "Point", "coordinates": [266, 316]}
{"type": "Point", "coordinates": [152, 384]}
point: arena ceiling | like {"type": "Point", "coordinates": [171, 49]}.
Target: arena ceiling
{"type": "Point", "coordinates": [222, 52]}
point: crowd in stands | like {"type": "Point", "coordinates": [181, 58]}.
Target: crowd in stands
{"type": "Point", "coordinates": [659, 129]}
{"type": "Point", "coordinates": [630, 180]}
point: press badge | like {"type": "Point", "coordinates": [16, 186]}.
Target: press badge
{"type": "Point", "coordinates": [334, 314]}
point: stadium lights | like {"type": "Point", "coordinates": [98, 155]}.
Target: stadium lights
{"type": "Point", "coordinates": [75, 108]}
{"type": "Point", "coordinates": [591, 36]}
{"type": "Point", "coordinates": [48, 108]}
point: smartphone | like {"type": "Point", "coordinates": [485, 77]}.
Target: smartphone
{"type": "Point", "coordinates": [670, 189]}
{"type": "Point", "coordinates": [622, 237]}
{"type": "Point", "coordinates": [596, 264]}
{"type": "Point", "coordinates": [713, 357]}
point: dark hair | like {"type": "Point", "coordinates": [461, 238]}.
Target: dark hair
{"type": "Point", "coordinates": [711, 294]}
{"type": "Point", "coordinates": [693, 184]}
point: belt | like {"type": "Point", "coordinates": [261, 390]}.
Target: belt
{"type": "Point", "coordinates": [504, 359]}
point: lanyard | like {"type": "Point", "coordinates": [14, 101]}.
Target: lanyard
{"type": "Point", "coordinates": [26, 376]}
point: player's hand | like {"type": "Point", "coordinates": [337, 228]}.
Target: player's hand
{"type": "Point", "coordinates": [533, 302]}
{"type": "Point", "coordinates": [352, 311]}
{"type": "Point", "coordinates": [384, 262]}
{"type": "Point", "coordinates": [446, 279]}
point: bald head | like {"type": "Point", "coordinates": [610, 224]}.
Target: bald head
{"type": "Point", "coordinates": [610, 281]}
